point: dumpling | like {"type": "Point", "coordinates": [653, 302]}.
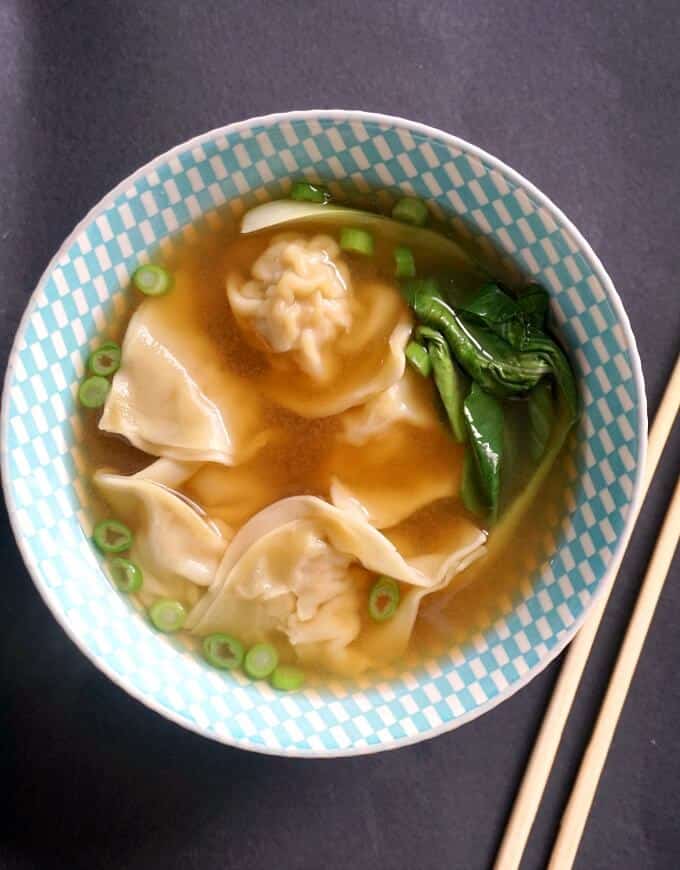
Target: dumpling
{"type": "Point", "coordinates": [395, 473]}
{"type": "Point", "coordinates": [410, 400]}
{"type": "Point", "coordinates": [178, 549]}
{"type": "Point", "coordinates": [299, 571]}
{"type": "Point", "coordinates": [232, 494]}
{"type": "Point", "coordinates": [169, 472]}
{"type": "Point", "coordinates": [333, 342]}
{"type": "Point", "coordinates": [298, 300]}
{"type": "Point", "coordinates": [345, 532]}
{"type": "Point", "coordinates": [451, 546]}
{"type": "Point", "coordinates": [173, 395]}
{"type": "Point", "coordinates": [293, 461]}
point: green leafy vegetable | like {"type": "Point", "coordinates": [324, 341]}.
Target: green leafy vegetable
{"type": "Point", "coordinates": [485, 356]}
{"type": "Point", "coordinates": [541, 408]}
{"type": "Point", "coordinates": [485, 424]}
{"type": "Point", "coordinates": [514, 513]}
{"type": "Point", "coordinates": [514, 319]}
{"type": "Point", "coordinates": [534, 302]}
{"type": "Point", "coordinates": [493, 307]}
{"type": "Point", "coordinates": [470, 487]}
{"type": "Point", "coordinates": [520, 323]}
{"type": "Point", "coordinates": [504, 354]}
{"type": "Point", "coordinates": [540, 345]}
{"type": "Point", "coordinates": [452, 385]}
{"type": "Point", "coordinates": [419, 359]}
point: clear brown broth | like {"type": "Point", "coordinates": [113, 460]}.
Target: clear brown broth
{"type": "Point", "coordinates": [297, 457]}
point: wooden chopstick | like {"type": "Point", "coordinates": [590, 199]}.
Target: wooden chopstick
{"type": "Point", "coordinates": [583, 792]}
{"type": "Point", "coordinates": [550, 734]}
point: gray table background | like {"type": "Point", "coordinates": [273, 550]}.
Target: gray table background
{"type": "Point", "coordinates": [584, 99]}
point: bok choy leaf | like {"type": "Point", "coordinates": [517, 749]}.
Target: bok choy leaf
{"type": "Point", "coordinates": [485, 425]}
{"type": "Point", "coordinates": [487, 358]}
{"type": "Point", "coordinates": [451, 383]}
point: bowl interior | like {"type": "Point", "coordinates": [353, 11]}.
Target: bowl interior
{"type": "Point", "coordinates": [83, 289]}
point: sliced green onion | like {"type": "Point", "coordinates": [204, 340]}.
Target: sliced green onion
{"type": "Point", "coordinates": [167, 615]}
{"type": "Point", "coordinates": [260, 661]}
{"type": "Point", "coordinates": [287, 678]}
{"type": "Point", "coordinates": [303, 191]}
{"type": "Point", "coordinates": [152, 280]}
{"type": "Point", "coordinates": [109, 343]}
{"type": "Point", "coordinates": [410, 210]}
{"type": "Point", "coordinates": [110, 536]}
{"type": "Point", "coordinates": [93, 391]}
{"type": "Point", "coordinates": [405, 265]}
{"type": "Point", "coordinates": [419, 358]}
{"type": "Point", "coordinates": [105, 360]}
{"type": "Point", "coordinates": [383, 599]}
{"type": "Point", "coordinates": [355, 240]}
{"type": "Point", "coordinates": [125, 574]}
{"type": "Point", "coordinates": [223, 651]}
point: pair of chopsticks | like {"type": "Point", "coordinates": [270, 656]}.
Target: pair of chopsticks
{"type": "Point", "coordinates": [549, 737]}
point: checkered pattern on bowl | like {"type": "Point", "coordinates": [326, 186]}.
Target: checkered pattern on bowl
{"type": "Point", "coordinates": [84, 288]}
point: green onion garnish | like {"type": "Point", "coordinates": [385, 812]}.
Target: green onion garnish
{"type": "Point", "coordinates": [287, 678]}
{"type": "Point", "coordinates": [152, 280]}
{"type": "Point", "coordinates": [110, 536]}
{"type": "Point", "coordinates": [419, 358]}
{"type": "Point", "coordinates": [105, 360]}
{"type": "Point", "coordinates": [410, 210]}
{"type": "Point", "coordinates": [223, 651]}
{"type": "Point", "coordinates": [356, 241]}
{"type": "Point", "coordinates": [260, 661]}
{"type": "Point", "coordinates": [383, 599]}
{"type": "Point", "coordinates": [303, 191]}
{"type": "Point", "coordinates": [405, 265]}
{"type": "Point", "coordinates": [167, 615]}
{"type": "Point", "coordinates": [93, 391]}
{"type": "Point", "coordinates": [125, 574]}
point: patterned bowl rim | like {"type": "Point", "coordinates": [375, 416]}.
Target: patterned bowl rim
{"type": "Point", "coordinates": [449, 139]}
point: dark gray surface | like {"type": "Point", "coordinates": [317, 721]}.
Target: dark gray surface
{"type": "Point", "coordinates": [583, 98]}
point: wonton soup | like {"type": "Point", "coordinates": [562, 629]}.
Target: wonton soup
{"type": "Point", "coordinates": [319, 435]}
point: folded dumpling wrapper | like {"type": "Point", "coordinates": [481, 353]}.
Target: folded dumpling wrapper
{"type": "Point", "coordinates": [331, 342]}
{"type": "Point", "coordinates": [174, 396]}
{"type": "Point", "coordinates": [409, 400]}
{"type": "Point", "coordinates": [298, 569]}
{"type": "Point", "coordinates": [396, 472]}
{"type": "Point", "coordinates": [178, 550]}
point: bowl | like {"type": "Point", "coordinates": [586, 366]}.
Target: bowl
{"type": "Point", "coordinates": [83, 287]}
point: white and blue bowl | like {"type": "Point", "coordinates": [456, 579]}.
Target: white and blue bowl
{"type": "Point", "coordinates": [84, 288]}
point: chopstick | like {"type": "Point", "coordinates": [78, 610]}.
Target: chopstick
{"type": "Point", "coordinates": [550, 734]}
{"type": "Point", "coordinates": [583, 792]}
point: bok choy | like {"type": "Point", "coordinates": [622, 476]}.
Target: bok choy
{"type": "Point", "coordinates": [500, 343]}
